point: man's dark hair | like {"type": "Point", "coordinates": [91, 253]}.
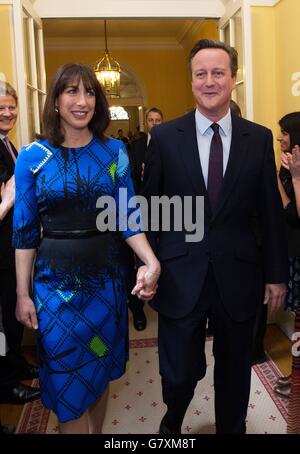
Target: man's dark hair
{"type": "Point", "coordinates": [154, 109]}
{"type": "Point", "coordinates": [235, 108]}
{"type": "Point", "coordinates": [72, 73]}
{"type": "Point", "coordinates": [213, 44]}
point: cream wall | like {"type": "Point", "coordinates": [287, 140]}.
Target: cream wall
{"type": "Point", "coordinates": [162, 71]}
{"type": "Point", "coordinates": [287, 14]}
{"type": "Point", "coordinates": [6, 62]}
{"type": "Point", "coordinates": [276, 58]}
{"type": "Point", "coordinates": [6, 56]}
{"type": "Point", "coordinates": [264, 67]}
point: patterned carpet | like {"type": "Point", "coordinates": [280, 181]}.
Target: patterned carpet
{"type": "Point", "coordinates": [135, 404]}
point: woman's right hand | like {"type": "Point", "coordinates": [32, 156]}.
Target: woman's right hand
{"type": "Point", "coordinates": [26, 313]}
{"type": "Point", "coordinates": [146, 282]}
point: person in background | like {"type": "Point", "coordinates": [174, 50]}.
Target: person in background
{"type": "Point", "coordinates": [130, 137]}
{"type": "Point", "coordinates": [137, 154]}
{"type": "Point", "coordinates": [288, 137]}
{"type": "Point", "coordinates": [14, 366]}
{"type": "Point", "coordinates": [12, 391]}
{"type": "Point", "coordinates": [78, 306]}
{"type": "Point", "coordinates": [124, 139]}
{"type": "Point", "coordinates": [293, 424]}
{"type": "Point", "coordinates": [230, 162]}
{"type": "Point", "coordinates": [138, 151]}
{"type": "Point", "coordinates": [138, 133]}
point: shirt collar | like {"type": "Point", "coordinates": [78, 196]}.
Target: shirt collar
{"type": "Point", "coordinates": [2, 136]}
{"type": "Point", "coordinates": [203, 123]}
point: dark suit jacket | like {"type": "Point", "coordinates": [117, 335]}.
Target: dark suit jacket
{"type": "Point", "coordinates": [229, 244]}
{"type": "Point", "coordinates": [7, 253]}
{"type": "Point", "coordinates": [137, 155]}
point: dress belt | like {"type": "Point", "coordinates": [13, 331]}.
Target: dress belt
{"type": "Point", "coordinates": [72, 234]}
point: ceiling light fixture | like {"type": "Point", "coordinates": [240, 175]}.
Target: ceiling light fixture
{"type": "Point", "coordinates": [108, 72]}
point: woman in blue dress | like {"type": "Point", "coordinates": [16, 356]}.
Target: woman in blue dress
{"type": "Point", "coordinates": [78, 303]}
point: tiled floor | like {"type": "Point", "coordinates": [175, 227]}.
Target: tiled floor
{"type": "Point", "coordinates": [135, 403]}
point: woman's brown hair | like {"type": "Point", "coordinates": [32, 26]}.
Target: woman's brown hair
{"type": "Point", "coordinates": [67, 74]}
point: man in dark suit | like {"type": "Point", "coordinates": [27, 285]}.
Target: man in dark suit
{"type": "Point", "coordinates": [10, 390]}
{"type": "Point", "coordinates": [137, 154]}
{"type": "Point", "coordinates": [229, 161]}
{"type": "Point", "coordinates": [138, 149]}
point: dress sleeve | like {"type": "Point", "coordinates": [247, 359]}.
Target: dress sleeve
{"type": "Point", "coordinates": [26, 223]}
{"type": "Point", "coordinates": [128, 218]}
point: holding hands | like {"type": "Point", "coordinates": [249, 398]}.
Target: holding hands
{"type": "Point", "coordinates": [148, 274]}
{"type": "Point", "coordinates": [146, 282]}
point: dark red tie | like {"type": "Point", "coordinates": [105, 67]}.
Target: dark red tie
{"type": "Point", "coordinates": [215, 167]}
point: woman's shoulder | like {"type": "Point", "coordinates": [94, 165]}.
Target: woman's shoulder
{"type": "Point", "coordinates": [35, 154]}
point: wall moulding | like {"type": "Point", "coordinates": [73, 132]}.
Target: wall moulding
{"type": "Point", "coordinates": [114, 43]}
{"type": "Point", "coordinates": [129, 8]}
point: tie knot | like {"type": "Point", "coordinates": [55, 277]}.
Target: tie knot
{"type": "Point", "coordinates": [215, 127]}
{"type": "Point", "coordinates": [5, 140]}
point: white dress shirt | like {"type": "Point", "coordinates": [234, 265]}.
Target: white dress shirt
{"type": "Point", "coordinates": [204, 136]}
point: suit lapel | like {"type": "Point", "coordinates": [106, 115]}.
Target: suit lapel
{"type": "Point", "coordinates": [7, 157]}
{"type": "Point", "coordinates": [237, 157]}
{"type": "Point", "coordinates": [189, 153]}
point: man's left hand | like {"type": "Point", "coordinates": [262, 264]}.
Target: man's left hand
{"type": "Point", "coordinates": [275, 295]}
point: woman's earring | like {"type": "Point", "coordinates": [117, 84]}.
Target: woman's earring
{"type": "Point", "coordinates": [56, 109]}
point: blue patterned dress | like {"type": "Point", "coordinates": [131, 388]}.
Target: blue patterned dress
{"type": "Point", "coordinates": [78, 285]}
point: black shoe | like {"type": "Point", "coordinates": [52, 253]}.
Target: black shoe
{"type": "Point", "coordinates": [259, 359]}
{"type": "Point", "coordinates": [283, 391]}
{"type": "Point", "coordinates": [166, 429]}
{"type": "Point", "coordinates": [18, 394]}
{"type": "Point", "coordinates": [7, 429]}
{"type": "Point", "coordinates": [24, 370]}
{"type": "Point", "coordinates": [227, 431]}
{"type": "Point", "coordinates": [139, 320]}
{"type": "Point", "coordinates": [283, 381]}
